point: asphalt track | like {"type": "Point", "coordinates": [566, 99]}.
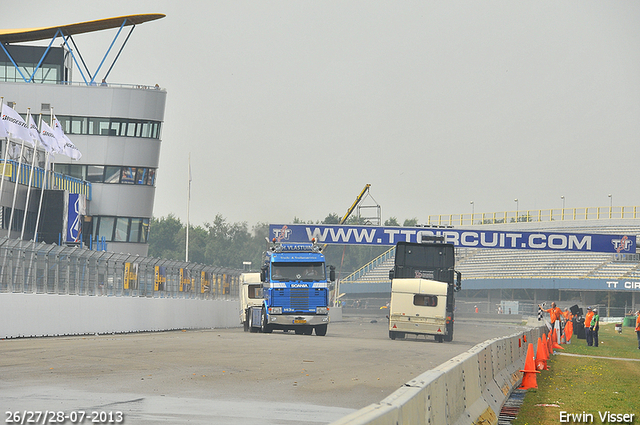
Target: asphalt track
{"type": "Point", "coordinates": [223, 376]}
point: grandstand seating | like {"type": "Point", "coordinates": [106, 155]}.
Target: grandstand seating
{"type": "Point", "coordinates": [475, 263]}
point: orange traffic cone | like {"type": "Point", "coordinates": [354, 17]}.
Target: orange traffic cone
{"type": "Point", "coordinates": [549, 346]}
{"type": "Point", "coordinates": [524, 337]}
{"type": "Point", "coordinates": [529, 378]}
{"type": "Point", "coordinates": [541, 355]}
{"type": "Point", "coordinates": [568, 330]}
{"type": "Point", "coordinates": [554, 341]}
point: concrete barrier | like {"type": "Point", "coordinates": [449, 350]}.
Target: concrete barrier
{"type": "Point", "coordinates": [27, 315]}
{"type": "Point", "coordinates": [470, 388]}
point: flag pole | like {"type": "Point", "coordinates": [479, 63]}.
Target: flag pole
{"type": "Point", "coordinates": [33, 165]}
{"type": "Point", "coordinates": [4, 160]}
{"type": "Point", "coordinates": [186, 258]}
{"type": "Point", "coordinates": [45, 182]}
{"type": "Point", "coordinates": [15, 187]}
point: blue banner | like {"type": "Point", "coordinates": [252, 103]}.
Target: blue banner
{"type": "Point", "coordinates": [74, 218]}
{"type": "Point", "coordinates": [505, 239]}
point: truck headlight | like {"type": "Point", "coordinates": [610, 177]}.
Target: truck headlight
{"type": "Point", "coordinates": [322, 310]}
{"type": "Point", "coordinates": [275, 310]}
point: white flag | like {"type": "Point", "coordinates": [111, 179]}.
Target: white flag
{"type": "Point", "coordinates": [3, 131]}
{"type": "Point", "coordinates": [33, 130]}
{"type": "Point", "coordinates": [68, 148]}
{"type": "Point", "coordinates": [14, 124]}
{"type": "Point", "coordinates": [49, 140]}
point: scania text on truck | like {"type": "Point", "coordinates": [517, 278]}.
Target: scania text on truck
{"type": "Point", "coordinates": [295, 290]}
{"type": "Point", "coordinates": [422, 289]}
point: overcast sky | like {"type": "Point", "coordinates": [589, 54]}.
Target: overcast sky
{"type": "Point", "coordinates": [289, 108]}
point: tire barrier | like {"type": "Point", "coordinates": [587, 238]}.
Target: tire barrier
{"type": "Point", "coordinates": [470, 388]}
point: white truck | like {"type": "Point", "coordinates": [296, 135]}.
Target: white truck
{"type": "Point", "coordinates": [250, 296]}
{"type": "Point", "coordinates": [422, 288]}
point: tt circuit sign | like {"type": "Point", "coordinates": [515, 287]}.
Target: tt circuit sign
{"type": "Point", "coordinates": [369, 235]}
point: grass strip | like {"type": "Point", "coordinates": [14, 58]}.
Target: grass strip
{"type": "Point", "coordinates": [588, 385]}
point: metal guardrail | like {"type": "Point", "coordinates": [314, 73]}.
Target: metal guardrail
{"type": "Point", "coordinates": [546, 215]}
{"type": "Point", "coordinates": [119, 85]}
{"type": "Point", "coordinates": [29, 267]}
{"type": "Point", "coordinates": [370, 265]}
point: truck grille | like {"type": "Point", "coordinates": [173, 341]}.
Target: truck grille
{"type": "Point", "coordinates": [300, 298]}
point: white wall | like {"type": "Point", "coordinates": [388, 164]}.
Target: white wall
{"type": "Point", "coordinates": [25, 315]}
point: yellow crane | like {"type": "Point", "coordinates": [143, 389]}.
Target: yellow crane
{"type": "Point", "coordinates": [355, 203]}
{"type": "Point", "coordinates": [359, 198]}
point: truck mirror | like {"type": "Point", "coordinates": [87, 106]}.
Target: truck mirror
{"type": "Point", "coordinates": [391, 274]}
{"type": "Point", "coordinates": [332, 274]}
{"type": "Point", "coordinates": [458, 281]}
{"type": "Point", "coordinates": [263, 275]}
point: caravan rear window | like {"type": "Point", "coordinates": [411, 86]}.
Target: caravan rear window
{"type": "Point", "coordinates": [425, 300]}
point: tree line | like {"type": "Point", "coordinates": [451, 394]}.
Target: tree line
{"type": "Point", "coordinates": [225, 244]}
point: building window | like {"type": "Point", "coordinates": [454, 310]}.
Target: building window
{"type": "Point", "coordinates": [112, 174]}
{"type": "Point", "coordinates": [99, 126]}
{"type": "Point", "coordinates": [95, 173]}
{"type": "Point", "coordinates": [122, 229]}
{"type": "Point", "coordinates": [109, 174]}
{"type": "Point", "coordinates": [105, 228]}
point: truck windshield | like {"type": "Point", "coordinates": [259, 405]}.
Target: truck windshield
{"type": "Point", "coordinates": [305, 272]}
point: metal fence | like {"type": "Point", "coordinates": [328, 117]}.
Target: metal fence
{"type": "Point", "coordinates": [547, 215]}
{"type": "Point", "coordinates": [39, 268]}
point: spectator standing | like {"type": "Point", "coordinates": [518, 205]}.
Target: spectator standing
{"type": "Point", "coordinates": [587, 326]}
{"type": "Point", "coordinates": [638, 327]}
{"type": "Point", "coordinates": [595, 326]}
{"type": "Point", "coordinates": [555, 313]}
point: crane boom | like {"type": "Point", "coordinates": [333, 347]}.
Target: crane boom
{"type": "Point", "coordinates": [355, 203]}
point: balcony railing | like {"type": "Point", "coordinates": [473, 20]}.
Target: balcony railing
{"type": "Point", "coordinates": [53, 180]}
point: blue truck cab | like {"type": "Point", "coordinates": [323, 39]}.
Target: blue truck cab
{"type": "Point", "coordinates": [295, 286]}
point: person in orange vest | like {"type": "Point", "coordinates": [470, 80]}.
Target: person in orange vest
{"type": "Point", "coordinates": [638, 327]}
{"type": "Point", "coordinates": [566, 318]}
{"type": "Point", "coordinates": [555, 314]}
{"type": "Point", "coordinates": [587, 326]}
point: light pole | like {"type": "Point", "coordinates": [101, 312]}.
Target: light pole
{"type": "Point", "coordinates": [562, 215]}
{"type": "Point", "coordinates": [472, 211]}
{"type": "Point", "coordinates": [610, 205]}
{"type": "Point", "coordinates": [516, 201]}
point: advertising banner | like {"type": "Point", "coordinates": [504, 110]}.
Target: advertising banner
{"type": "Point", "coordinates": [471, 238]}
{"type": "Point", "coordinates": [130, 276]}
{"type": "Point", "coordinates": [160, 278]}
{"type": "Point", "coordinates": [75, 211]}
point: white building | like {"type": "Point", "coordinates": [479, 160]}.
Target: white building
{"type": "Point", "coordinates": [116, 127]}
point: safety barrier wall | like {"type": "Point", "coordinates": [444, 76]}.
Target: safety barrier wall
{"type": "Point", "coordinates": [50, 290]}
{"type": "Point", "coordinates": [31, 315]}
{"type": "Point", "coordinates": [469, 388]}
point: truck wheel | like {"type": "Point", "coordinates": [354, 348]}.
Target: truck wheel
{"type": "Point", "coordinates": [439, 338]}
{"type": "Point", "coordinates": [298, 331]}
{"type": "Point", "coordinates": [321, 330]}
{"type": "Point", "coordinates": [246, 322]}
{"type": "Point", "coordinates": [308, 330]}
{"type": "Point", "coordinates": [266, 329]}
{"type": "Point", "coordinates": [392, 335]}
